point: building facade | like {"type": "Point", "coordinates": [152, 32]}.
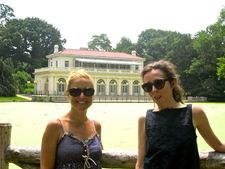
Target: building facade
{"type": "Point", "coordinates": [114, 73]}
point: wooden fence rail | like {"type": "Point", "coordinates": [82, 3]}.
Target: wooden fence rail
{"type": "Point", "coordinates": [29, 157]}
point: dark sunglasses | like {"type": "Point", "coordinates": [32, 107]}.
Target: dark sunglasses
{"type": "Point", "coordinates": [77, 92]}
{"type": "Point", "coordinates": [158, 84]}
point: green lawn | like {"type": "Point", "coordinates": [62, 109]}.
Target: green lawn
{"type": "Point", "coordinates": [118, 120]}
{"type": "Point", "coordinates": [12, 99]}
{"type": "Point", "coordinates": [216, 116]}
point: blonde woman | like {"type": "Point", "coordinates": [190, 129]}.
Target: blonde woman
{"type": "Point", "coordinates": [73, 140]}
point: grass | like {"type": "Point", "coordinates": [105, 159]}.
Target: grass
{"type": "Point", "coordinates": [12, 99]}
{"type": "Point", "coordinates": [118, 120]}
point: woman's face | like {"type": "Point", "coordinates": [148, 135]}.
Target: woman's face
{"type": "Point", "coordinates": [81, 102]}
{"type": "Point", "coordinates": [160, 88]}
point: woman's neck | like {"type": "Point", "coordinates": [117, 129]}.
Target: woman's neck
{"type": "Point", "coordinates": [77, 115]}
{"type": "Point", "coordinates": [170, 104]}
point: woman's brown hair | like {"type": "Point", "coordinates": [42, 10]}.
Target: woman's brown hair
{"type": "Point", "coordinates": [169, 70]}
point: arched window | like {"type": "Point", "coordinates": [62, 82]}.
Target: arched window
{"type": "Point", "coordinates": [100, 87]}
{"type": "Point", "coordinates": [136, 88]}
{"type": "Point", "coordinates": [112, 87]}
{"type": "Point", "coordinates": [61, 86]}
{"type": "Point", "coordinates": [124, 87]}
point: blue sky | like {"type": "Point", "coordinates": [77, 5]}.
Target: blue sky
{"type": "Point", "coordinates": [78, 20]}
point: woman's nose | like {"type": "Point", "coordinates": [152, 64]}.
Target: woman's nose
{"type": "Point", "coordinates": [153, 88]}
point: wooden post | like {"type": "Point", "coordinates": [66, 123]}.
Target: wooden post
{"type": "Point", "coordinates": [5, 136]}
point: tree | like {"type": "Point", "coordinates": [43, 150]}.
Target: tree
{"type": "Point", "coordinates": [21, 79]}
{"type": "Point", "coordinates": [6, 13]}
{"type": "Point", "coordinates": [167, 45]}
{"type": "Point", "coordinates": [7, 83]}
{"type": "Point", "coordinates": [221, 60]}
{"type": "Point", "coordinates": [152, 44]}
{"type": "Point", "coordinates": [158, 44]}
{"type": "Point", "coordinates": [209, 45]}
{"type": "Point", "coordinates": [28, 41]}
{"type": "Point", "coordinates": [125, 45]}
{"type": "Point", "coordinates": [100, 43]}
{"type": "Point", "coordinates": [221, 67]}
{"type": "Point", "coordinates": [181, 53]}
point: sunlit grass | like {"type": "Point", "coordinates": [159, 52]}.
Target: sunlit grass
{"type": "Point", "coordinates": [12, 99]}
{"type": "Point", "coordinates": [118, 120]}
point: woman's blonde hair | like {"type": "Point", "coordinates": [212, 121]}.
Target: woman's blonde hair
{"type": "Point", "coordinates": [80, 73]}
{"type": "Point", "coordinates": [169, 70]}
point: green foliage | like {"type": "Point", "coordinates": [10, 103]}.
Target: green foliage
{"type": "Point", "coordinates": [28, 41]}
{"type": "Point", "coordinates": [6, 13]}
{"type": "Point", "coordinates": [209, 45]}
{"type": "Point", "coordinates": [22, 79]}
{"type": "Point", "coordinates": [29, 88]}
{"type": "Point", "coordinates": [125, 45]}
{"type": "Point", "coordinates": [100, 43]}
{"type": "Point", "coordinates": [158, 44]}
{"type": "Point", "coordinates": [172, 46]}
{"type": "Point", "coordinates": [221, 67]}
{"type": "Point", "coordinates": [7, 83]}
{"type": "Point", "coordinates": [24, 44]}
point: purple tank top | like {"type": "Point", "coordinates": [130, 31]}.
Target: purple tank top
{"type": "Point", "coordinates": [73, 153]}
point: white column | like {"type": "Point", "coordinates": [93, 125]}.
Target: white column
{"type": "Point", "coordinates": [119, 87]}
{"type": "Point", "coordinates": [50, 85]}
{"type": "Point", "coordinates": [107, 86]}
{"type": "Point", "coordinates": [130, 87]}
{"type": "Point", "coordinates": [54, 85]}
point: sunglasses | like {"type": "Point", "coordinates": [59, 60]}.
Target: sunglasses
{"type": "Point", "coordinates": [158, 84]}
{"type": "Point", "coordinates": [75, 92]}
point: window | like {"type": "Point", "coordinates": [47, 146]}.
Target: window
{"type": "Point", "coordinates": [101, 65]}
{"type": "Point", "coordinates": [136, 87]}
{"type": "Point", "coordinates": [113, 66]}
{"type": "Point", "coordinates": [136, 67]}
{"type": "Point", "coordinates": [77, 63]}
{"type": "Point", "coordinates": [61, 85]}
{"type": "Point", "coordinates": [112, 87]}
{"type": "Point", "coordinates": [100, 87]}
{"type": "Point", "coordinates": [56, 63]}
{"type": "Point", "coordinates": [125, 67]}
{"type": "Point", "coordinates": [124, 87]}
{"type": "Point", "coordinates": [88, 65]}
{"type": "Point", "coordinates": [66, 63]}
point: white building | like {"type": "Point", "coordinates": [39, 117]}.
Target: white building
{"type": "Point", "coordinates": [114, 73]}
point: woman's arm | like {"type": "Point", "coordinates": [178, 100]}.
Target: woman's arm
{"type": "Point", "coordinates": [202, 124]}
{"type": "Point", "coordinates": [98, 128]}
{"type": "Point", "coordinates": [141, 143]}
{"type": "Point", "coordinates": [49, 143]}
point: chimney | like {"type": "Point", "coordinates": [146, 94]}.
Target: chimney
{"type": "Point", "coordinates": [56, 48]}
{"type": "Point", "coordinates": [133, 53]}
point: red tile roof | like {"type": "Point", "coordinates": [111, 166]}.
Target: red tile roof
{"type": "Point", "coordinates": [92, 53]}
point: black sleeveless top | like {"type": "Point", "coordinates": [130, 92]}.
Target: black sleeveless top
{"type": "Point", "coordinates": [171, 140]}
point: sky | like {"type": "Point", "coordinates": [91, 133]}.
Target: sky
{"type": "Point", "coordinates": [79, 20]}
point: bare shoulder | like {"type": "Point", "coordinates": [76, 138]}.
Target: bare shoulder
{"type": "Point", "coordinates": [141, 120]}
{"type": "Point", "coordinates": [54, 126]}
{"type": "Point", "coordinates": [53, 132]}
{"type": "Point", "coordinates": [198, 115]}
{"type": "Point", "coordinates": [97, 126]}
{"type": "Point", "coordinates": [197, 110]}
